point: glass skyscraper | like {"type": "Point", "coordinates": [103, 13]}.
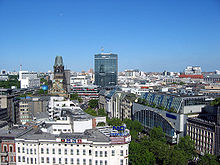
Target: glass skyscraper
{"type": "Point", "coordinates": [106, 69]}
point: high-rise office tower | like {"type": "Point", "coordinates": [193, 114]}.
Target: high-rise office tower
{"type": "Point", "coordinates": [106, 69]}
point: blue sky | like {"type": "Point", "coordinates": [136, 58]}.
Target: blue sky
{"type": "Point", "coordinates": [151, 35]}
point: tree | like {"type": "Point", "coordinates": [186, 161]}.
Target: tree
{"type": "Point", "coordinates": [215, 102]}
{"type": "Point", "coordinates": [41, 92]}
{"type": "Point", "coordinates": [43, 81]}
{"type": "Point", "coordinates": [91, 111]}
{"type": "Point", "coordinates": [140, 155]}
{"type": "Point", "coordinates": [177, 157]}
{"type": "Point", "coordinates": [9, 83]}
{"type": "Point", "coordinates": [114, 122]}
{"type": "Point", "coordinates": [157, 134]}
{"type": "Point", "coordinates": [160, 150]}
{"type": "Point", "coordinates": [93, 103]}
{"type": "Point", "coordinates": [101, 112]}
{"type": "Point", "coordinates": [187, 145]}
{"type": "Point", "coordinates": [133, 125]}
{"type": "Point", "coordinates": [100, 124]}
{"type": "Point", "coordinates": [75, 96]}
{"type": "Point", "coordinates": [208, 159]}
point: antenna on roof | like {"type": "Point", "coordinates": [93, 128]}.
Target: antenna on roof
{"type": "Point", "coordinates": [102, 49]}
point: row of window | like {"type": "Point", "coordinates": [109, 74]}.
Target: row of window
{"type": "Point", "coordinates": [71, 152]}
{"type": "Point", "coordinates": [5, 148]}
{"type": "Point", "coordinates": [5, 159]}
{"type": "Point", "coordinates": [66, 161]}
{"type": "Point", "coordinates": [199, 131]}
{"type": "Point", "coordinates": [65, 130]}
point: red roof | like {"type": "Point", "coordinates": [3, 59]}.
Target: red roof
{"type": "Point", "coordinates": [191, 76]}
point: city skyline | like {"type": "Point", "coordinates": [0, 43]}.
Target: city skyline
{"type": "Point", "coordinates": [147, 35]}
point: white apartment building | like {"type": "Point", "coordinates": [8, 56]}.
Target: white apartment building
{"type": "Point", "coordinates": [80, 80]}
{"type": "Point", "coordinates": [73, 140]}
{"type": "Point", "coordinates": [89, 148]}
{"type": "Point", "coordinates": [193, 70]}
{"type": "Point", "coordinates": [56, 104]}
{"type": "Point", "coordinates": [28, 79]}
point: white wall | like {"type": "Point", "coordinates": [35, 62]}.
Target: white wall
{"type": "Point", "coordinates": [81, 126]}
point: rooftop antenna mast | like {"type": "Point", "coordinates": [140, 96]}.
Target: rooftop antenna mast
{"type": "Point", "coordinates": [102, 49]}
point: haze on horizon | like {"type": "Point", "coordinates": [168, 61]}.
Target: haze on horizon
{"type": "Point", "coordinates": [146, 34]}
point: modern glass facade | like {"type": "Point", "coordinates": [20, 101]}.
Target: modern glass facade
{"type": "Point", "coordinates": [106, 69]}
{"type": "Point", "coordinates": [170, 101]}
{"type": "Point", "coordinates": [150, 119]}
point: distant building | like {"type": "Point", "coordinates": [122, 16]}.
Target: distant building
{"type": "Point", "coordinates": [24, 109]}
{"type": "Point", "coordinates": [212, 78]}
{"type": "Point", "coordinates": [3, 77]}
{"type": "Point", "coordinates": [28, 79]}
{"type": "Point", "coordinates": [193, 70]}
{"type": "Point", "coordinates": [132, 73]}
{"type": "Point", "coordinates": [31, 106]}
{"type": "Point", "coordinates": [217, 72]}
{"type": "Point", "coordinates": [67, 80]}
{"type": "Point", "coordinates": [191, 76]}
{"type": "Point", "coordinates": [106, 69]}
{"type": "Point", "coordinates": [8, 101]}
{"type": "Point", "coordinates": [86, 92]}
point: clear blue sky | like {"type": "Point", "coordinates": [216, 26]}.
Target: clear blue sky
{"type": "Point", "coordinates": [152, 35]}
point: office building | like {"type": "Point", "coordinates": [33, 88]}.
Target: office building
{"type": "Point", "coordinates": [202, 132]}
{"type": "Point", "coordinates": [28, 79]}
{"type": "Point", "coordinates": [106, 69]}
{"type": "Point", "coordinates": [10, 102]}
{"type": "Point", "coordinates": [193, 70]}
{"type": "Point", "coordinates": [86, 92]}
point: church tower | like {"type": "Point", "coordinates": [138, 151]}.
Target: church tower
{"type": "Point", "coordinates": [58, 80]}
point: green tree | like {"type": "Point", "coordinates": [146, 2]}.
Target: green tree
{"type": "Point", "coordinates": [9, 84]}
{"type": "Point", "coordinates": [157, 144]}
{"type": "Point", "coordinates": [75, 96]}
{"type": "Point", "coordinates": [187, 145]}
{"type": "Point", "coordinates": [208, 159]}
{"type": "Point", "coordinates": [157, 134]}
{"type": "Point", "coordinates": [93, 103]}
{"type": "Point", "coordinates": [41, 92]}
{"type": "Point", "coordinates": [101, 124]}
{"type": "Point", "coordinates": [140, 155]}
{"type": "Point", "coordinates": [101, 112]}
{"type": "Point", "coordinates": [133, 125]}
{"type": "Point", "coordinates": [91, 111]}
{"type": "Point", "coordinates": [114, 122]}
{"type": "Point", "coordinates": [160, 150]}
{"type": "Point", "coordinates": [177, 157]}
{"type": "Point", "coordinates": [43, 81]}
{"type": "Point", "coordinates": [215, 102]}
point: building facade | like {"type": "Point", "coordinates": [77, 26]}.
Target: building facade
{"type": "Point", "coordinates": [106, 69]}
{"type": "Point", "coordinates": [28, 79]}
{"type": "Point", "coordinates": [79, 149]}
{"type": "Point", "coordinates": [202, 132]}
{"type": "Point", "coordinates": [86, 92]}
